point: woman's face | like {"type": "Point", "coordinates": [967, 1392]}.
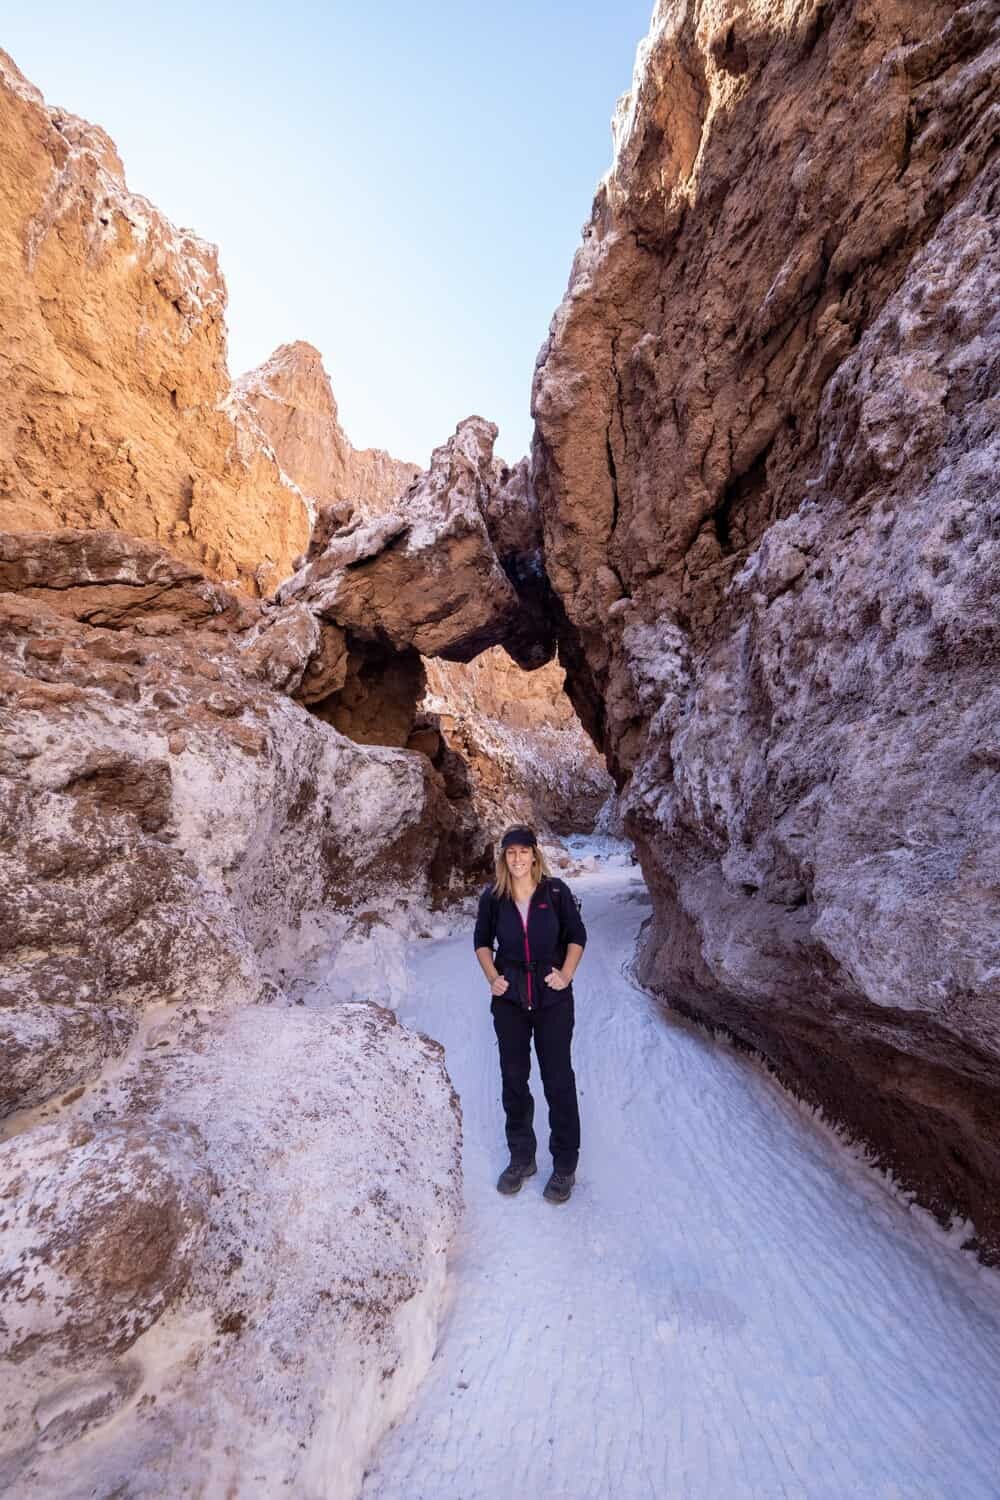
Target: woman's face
{"type": "Point", "coordinates": [519, 858]}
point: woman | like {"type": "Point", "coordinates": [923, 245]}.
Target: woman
{"type": "Point", "coordinates": [536, 925]}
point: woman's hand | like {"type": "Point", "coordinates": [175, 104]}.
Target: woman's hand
{"type": "Point", "coordinates": [556, 980]}
{"type": "Point", "coordinates": [499, 986]}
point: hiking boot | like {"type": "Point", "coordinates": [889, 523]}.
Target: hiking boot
{"type": "Point", "coordinates": [559, 1186]}
{"type": "Point", "coordinates": [513, 1175]}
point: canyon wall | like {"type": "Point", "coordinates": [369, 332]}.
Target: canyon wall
{"type": "Point", "coordinates": [767, 449]}
{"type": "Point", "coordinates": [179, 839]}
{"type": "Point", "coordinates": [293, 400]}
{"type": "Point", "coordinates": [115, 401]}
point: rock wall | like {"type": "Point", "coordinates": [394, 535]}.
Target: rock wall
{"type": "Point", "coordinates": [292, 398]}
{"type": "Point", "coordinates": [766, 456]}
{"type": "Point", "coordinates": [115, 404]}
{"type": "Point", "coordinates": [178, 839]}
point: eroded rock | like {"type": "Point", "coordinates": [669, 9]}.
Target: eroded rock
{"type": "Point", "coordinates": [179, 840]}
{"type": "Point", "coordinates": [425, 574]}
{"type": "Point", "coordinates": [766, 458]}
{"type": "Point", "coordinates": [513, 741]}
{"type": "Point", "coordinates": [293, 400]}
{"type": "Point", "coordinates": [256, 1242]}
{"type": "Point", "coordinates": [99, 1236]}
{"type": "Point", "coordinates": [184, 828]}
{"type": "Point", "coordinates": [115, 406]}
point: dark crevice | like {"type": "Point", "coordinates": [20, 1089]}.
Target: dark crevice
{"type": "Point", "coordinates": [815, 30]}
{"type": "Point", "coordinates": [740, 517]}
{"type": "Point", "coordinates": [613, 472]}
{"type": "Point", "coordinates": [908, 138]}
{"type": "Point", "coordinates": [732, 55]}
{"type": "Point", "coordinates": [609, 447]}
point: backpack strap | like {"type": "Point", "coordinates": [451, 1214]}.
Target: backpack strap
{"type": "Point", "coordinates": [557, 888]}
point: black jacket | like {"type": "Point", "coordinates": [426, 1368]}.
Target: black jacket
{"type": "Point", "coordinates": [527, 952]}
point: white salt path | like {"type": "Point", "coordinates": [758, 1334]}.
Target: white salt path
{"type": "Point", "coordinates": [730, 1306]}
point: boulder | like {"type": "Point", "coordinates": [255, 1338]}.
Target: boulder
{"type": "Point", "coordinates": [242, 1233]}
{"type": "Point", "coordinates": [425, 574]}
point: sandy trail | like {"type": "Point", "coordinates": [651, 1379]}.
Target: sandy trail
{"type": "Point", "coordinates": [730, 1306]}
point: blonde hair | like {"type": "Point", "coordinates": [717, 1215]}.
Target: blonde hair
{"type": "Point", "coordinates": [502, 883]}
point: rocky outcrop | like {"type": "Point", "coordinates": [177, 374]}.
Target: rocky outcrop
{"type": "Point", "coordinates": [292, 398]}
{"type": "Point", "coordinates": [435, 564]}
{"type": "Point", "coordinates": [388, 600]}
{"type": "Point", "coordinates": [115, 405]}
{"type": "Point", "coordinates": [178, 840]}
{"type": "Point", "coordinates": [766, 458]}
{"type": "Point", "coordinates": [425, 574]}
{"type": "Point", "coordinates": [148, 774]}
{"type": "Point", "coordinates": [515, 739]}
{"type": "Point", "coordinates": [447, 561]}
{"type": "Point", "coordinates": [152, 1308]}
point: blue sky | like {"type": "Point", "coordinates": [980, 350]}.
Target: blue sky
{"type": "Point", "coordinates": [402, 186]}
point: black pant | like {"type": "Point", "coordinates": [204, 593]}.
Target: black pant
{"type": "Point", "coordinates": [553, 1032]}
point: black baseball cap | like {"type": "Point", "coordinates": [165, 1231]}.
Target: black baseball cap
{"type": "Point", "coordinates": [519, 836]}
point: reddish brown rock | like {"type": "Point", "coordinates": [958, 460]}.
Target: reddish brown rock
{"type": "Point", "coordinates": [766, 457]}
{"type": "Point", "coordinates": [108, 578]}
{"type": "Point", "coordinates": [293, 400]}
{"type": "Point", "coordinates": [519, 745]}
{"type": "Point", "coordinates": [115, 408]}
{"type": "Point", "coordinates": [425, 574]}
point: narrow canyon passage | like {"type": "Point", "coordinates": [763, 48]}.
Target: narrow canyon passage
{"type": "Point", "coordinates": [730, 1305]}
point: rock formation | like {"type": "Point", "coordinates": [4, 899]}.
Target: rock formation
{"type": "Point", "coordinates": [291, 396]}
{"type": "Point", "coordinates": [178, 838]}
{"type": "Point", "coordinates": [223, 1265]}
{"type": "Point", "coordinates": [424, 574]}
{"type": "Point", "coordinates": [766, 456]}
{"type": "Point", "coordinates": [407, 596]}
{"type": "Point", "coordinates": [510, 741]}
{"type": "Point", "coordinates": [515, 739]}
{"type": "Point", "coordinates": [115, 404]}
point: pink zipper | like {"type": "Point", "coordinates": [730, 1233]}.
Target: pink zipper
{"type": "Point", "coordinates": [527, 950]}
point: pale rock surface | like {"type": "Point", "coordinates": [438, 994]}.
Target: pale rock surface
{"type": "Point", "coordinates": [179, 842]}
{"type": "Point", "coordinates": [766, 457]}
{"type": "Point", "coordinates": [294, 402]}
{"type": "Point", "coordinates": [115, 403]}
{"type": "Point", "coordinates": [223, 1267]}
